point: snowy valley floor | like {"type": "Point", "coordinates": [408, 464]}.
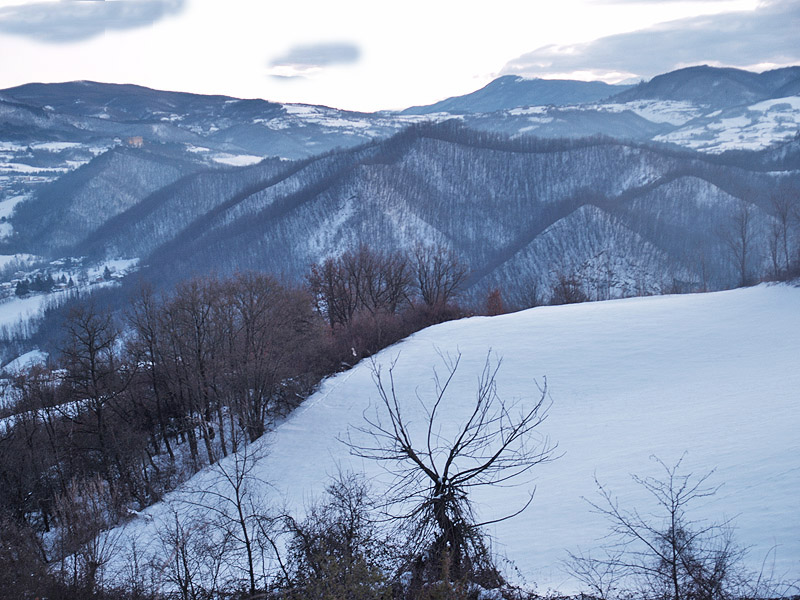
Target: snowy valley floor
{"type": "Point", "coordinates": [714, 375]}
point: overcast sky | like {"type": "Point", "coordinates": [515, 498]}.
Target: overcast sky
{"type": "Point", "coordinates": [369, 55]}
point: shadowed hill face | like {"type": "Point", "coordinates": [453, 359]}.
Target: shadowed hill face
{"type": "Point", "coordinates": [88, 98]}
{"type": "Point", "coordinates": [627, 218]}
{"type": "Point", "coordinates": [511, 91]}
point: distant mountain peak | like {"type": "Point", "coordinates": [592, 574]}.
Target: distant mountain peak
{"type": "Point", "coordinates": [514, 91]}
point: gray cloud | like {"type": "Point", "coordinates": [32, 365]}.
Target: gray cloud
{"type": "Point", "coordinates": [649, 1]}
{"type": "Point", "coordinates": [765, 35]}
{"type": "Point", "coordinates": [301, 61]}
{"type": "Point", "coordinates": [75, 20]}
{"type": "Point", "coordinates": [318, 55]}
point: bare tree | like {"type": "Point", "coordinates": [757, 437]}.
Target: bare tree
{"type": "Point", "coordinates": [439, 276]}
{"type": "Point", "coordinates": [337, 551]}
{"type": "Point", "coordinates": [333, 293]}
{"type": "Point", "coordinates": [235, 507]}
{"type": "Point", "coordinates": [270, 333]}
{"type": "Point", "coordinates": [86, 542]}
{"type": "Point", "coordinates": [739, 238]}
{"type": "Point", "coordinates": [568, 290]}
{"type": "Point", "coordinates": [23, 568]}
{"type": "Point", "coordinates": [195, 553]}
{"type": "Point", "coordinates": [665, 555]}
{"type": "Point", "coordinates": [780, 235]}
{"type": "Point", "coordinates": [526, 294]}
{"type": "Point", "coordinates": [360, 280]}
{"type": "Point", "coordinates": [97, 376]}
{"type": "Point", "coordinates": [497, 443]}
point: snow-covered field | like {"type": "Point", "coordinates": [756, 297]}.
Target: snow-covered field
{"type": "Point", "coordinates": [237, 160]}
{"type": "Point", "coordinates": [14, 310]}
{"type": "Point", "coordinates": [711, 375]}
{"type": "Point", "coordinates": [753, 127]}
{"type": "Point", "coordinates": [656, 111]}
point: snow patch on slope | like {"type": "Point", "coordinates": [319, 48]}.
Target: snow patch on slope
{"type": "Point", "coordinates": [751, 128]}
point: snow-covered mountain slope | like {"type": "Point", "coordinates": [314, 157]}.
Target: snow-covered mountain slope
{"type": "Point", "coordinates": [705, 128]}
{"type": "Point", "coordinates": [48, 130]}
{"type": "Point", "coordinates": [742, 128]}
{"type": "Point", "coordinates": [609, 259]}
{"type": "Point", "coordinates": [485, 198]}
{"type": "Point", "coordinates": [712, 375]}
{"type": "Point", "coordinates": [626, 218]}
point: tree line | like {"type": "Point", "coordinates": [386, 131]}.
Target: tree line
{"type": "Point", "coordinates": [138, 400]}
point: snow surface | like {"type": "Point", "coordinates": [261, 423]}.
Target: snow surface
{"type": "Point", "coordinates": [15, 310]}
{"type": "Point", "coordinates": [656, 111]}
{"type": "Point", "coordinates": [714, 375]}
{"type": "Point", "coordinates": [237, 160]}
{"type": "Point", "coordinates": [6, 259]}
{"type": "Point", "coordinates": [120, 266]}
{"type": "Point", "coordinates": [7, 206]}
{"type": "Point", "coordinates": [26, 361]}
{"type": "Point", "coordinates": [55, 146]}
{"type": "Point", "coordinates": [752, 128]}
{"type": "Point", "coordinates": [23, 168]}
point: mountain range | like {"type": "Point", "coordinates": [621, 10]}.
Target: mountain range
{"type": "Point", "coordinates": [631, 189]}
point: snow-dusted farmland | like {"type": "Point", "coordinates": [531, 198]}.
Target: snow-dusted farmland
{"type": "Point", "coordinates": [714, 375]}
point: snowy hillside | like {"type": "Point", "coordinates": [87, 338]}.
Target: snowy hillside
{"type": "Point", "coordinates": [714, 375]}
{"type": "Point", "coordinates": [183, 182]}
{"type": "Point", "coordinates": [742, 128]}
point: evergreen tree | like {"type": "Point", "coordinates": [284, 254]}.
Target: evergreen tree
{"type": "Point", "coordinates": [22, 289]}
{"type": "Point", "coordinates": [37, 285]}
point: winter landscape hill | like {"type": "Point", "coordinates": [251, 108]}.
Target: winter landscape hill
{"type": "Point", "coordinates": [710, 375]}
{"type": "Point", "coordinates": [632, 190]}
{"type": "Point", "coordinates": [512, 178]}
{"type": "Point", "coordinates": [188, 245]}
{"type": "Point", "coordinates": [627, 218]}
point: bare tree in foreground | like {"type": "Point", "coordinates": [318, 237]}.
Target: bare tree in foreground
{"type": "Point", "coordinates": [234, 501]}
{"type": "Point", "coordinates": [436, 466]}
{"type": "Point", "coordinates": [665, 554]}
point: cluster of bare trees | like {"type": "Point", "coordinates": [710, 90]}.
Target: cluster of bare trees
{"type": "Point", "coordinates": [223, 356]}
{"type": "Point", "coordinates": [364, 281]}
{"type": "Point", "coordinates": [139, 400]}
{"type": "Point", "coordinates": [371, 299]}
{"type": "Point", "coordinates": [420, 539]}
{"type": "Point", "coordinates": [782, 235]}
